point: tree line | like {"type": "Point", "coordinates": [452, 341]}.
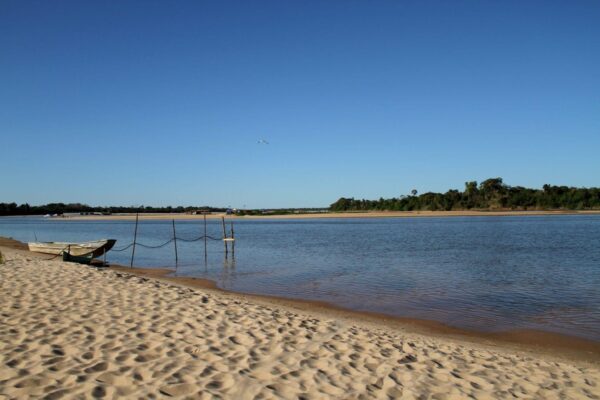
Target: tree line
{"type": "Point", "coordinates": [7, 209]}
{"type": "Point", "coordinates": [491, 194]}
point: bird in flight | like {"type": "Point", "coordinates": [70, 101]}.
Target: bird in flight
{"type": "Point", "coordinates": [262, 141]}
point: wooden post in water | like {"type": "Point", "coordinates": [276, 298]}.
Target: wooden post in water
{"type": "Point", "coordinates": [224, 236]}
{"type": "Point", "coordinates": [205, 255]}
{"type": "Point", "coordinates": [232, 241]}
{"type": "Point", "coordinates": [175, 241]}
{"type": "Point", "coordinates": [134, 240]}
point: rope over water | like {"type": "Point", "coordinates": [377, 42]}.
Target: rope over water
{"type": "Point", "coordinates": [135, 243]}
{"type": "Point", "coordinates": [147, 246]}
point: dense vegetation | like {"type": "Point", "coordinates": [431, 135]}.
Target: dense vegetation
{"type": "Point", "coordinates": [491, 194]}
{"type": "Point", "coordinates": [61, 208]}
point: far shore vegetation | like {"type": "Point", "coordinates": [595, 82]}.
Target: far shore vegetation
{"type": "Point", "coordinates": [78, 208]}
{"type": "Point", "coordinates": [489, 195]}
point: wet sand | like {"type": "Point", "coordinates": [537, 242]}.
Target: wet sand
{"type": "Point", "coordinates": [372, 214]}
{"type": "Point", "coordinates": [73, 330]}
{"type": "Point", "coordinates": [556, 344]}
{"type": "Point", "coordinates": [526, 340]}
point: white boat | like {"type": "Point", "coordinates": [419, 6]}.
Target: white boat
{"type": "Point", "coordinates": [94, 248]}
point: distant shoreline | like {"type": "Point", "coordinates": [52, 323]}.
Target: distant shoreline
{"type": "Point", "coordinates": [366, 214]}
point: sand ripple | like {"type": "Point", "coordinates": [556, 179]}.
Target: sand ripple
{"type": "Point", "coordinates": [71, 331]}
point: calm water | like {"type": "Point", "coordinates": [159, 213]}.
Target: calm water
{"type": "Point", "coordinates": [483, 273]}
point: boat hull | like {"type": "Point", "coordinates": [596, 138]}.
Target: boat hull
{"type": "Point", "coordinates": [90, 249]}
{"type": "Point", "coordinates": [76, 259]}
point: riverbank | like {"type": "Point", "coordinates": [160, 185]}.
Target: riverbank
{"type": "Point", "coordinates": [366, 214]}
{"type": "Point", "coordinates": [549, 343]}
{"type": "Point", "coordinates": [72, 330]}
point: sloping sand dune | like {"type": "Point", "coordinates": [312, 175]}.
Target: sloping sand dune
{"type": "Point", "coordinates": [72, 331]}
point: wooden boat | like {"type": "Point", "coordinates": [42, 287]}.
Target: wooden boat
{"type": "Point", "coordinates": [92, 249]}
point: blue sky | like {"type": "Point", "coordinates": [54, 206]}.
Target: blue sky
{"type": "Point", "coordinates": [163, 103]}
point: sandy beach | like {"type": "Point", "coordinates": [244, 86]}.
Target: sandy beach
{"type": "Point", "coordinates": [71, 331]}
{"type": "Point", "coordinates": [370, 214]}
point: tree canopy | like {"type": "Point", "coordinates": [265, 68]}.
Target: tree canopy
{"type": "Point", "coordinates": [491, 194]}
{"type": "Point", "coordinates": [62, 208]}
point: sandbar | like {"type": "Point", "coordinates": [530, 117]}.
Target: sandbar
{"type": "Point", "coordinates": [365, 214]}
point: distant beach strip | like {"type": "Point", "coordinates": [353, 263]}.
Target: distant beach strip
{"type": "Point", "coordinates": [357, 214]}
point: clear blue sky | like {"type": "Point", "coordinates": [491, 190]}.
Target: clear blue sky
{"type": "Point", "coordinates": [162, 103]}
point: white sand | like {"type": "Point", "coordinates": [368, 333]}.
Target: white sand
{"type": "Point", "coordinates": [350, 214]}
{"type": "Point", "coordinates": [70, 331]}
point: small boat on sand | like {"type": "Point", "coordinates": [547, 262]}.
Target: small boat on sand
{"type": "Point", "coordinates": [91, 249]}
